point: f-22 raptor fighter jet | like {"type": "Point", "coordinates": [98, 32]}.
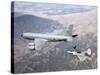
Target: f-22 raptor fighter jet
{"type": "Point", "coordinates": [39, 39]}
{"type": "Point", "coordinates": [82, 55]}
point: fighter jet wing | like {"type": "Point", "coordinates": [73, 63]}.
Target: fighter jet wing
{"type": "Point", "coordinates": [82, 55]}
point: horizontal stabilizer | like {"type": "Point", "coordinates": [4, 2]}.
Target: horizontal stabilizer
{"type": "Point", "coordinates": [74, 35]}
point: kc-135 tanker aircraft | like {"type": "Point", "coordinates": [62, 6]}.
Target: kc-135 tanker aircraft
{"type": "Point", "coordinates": [39, 39]}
